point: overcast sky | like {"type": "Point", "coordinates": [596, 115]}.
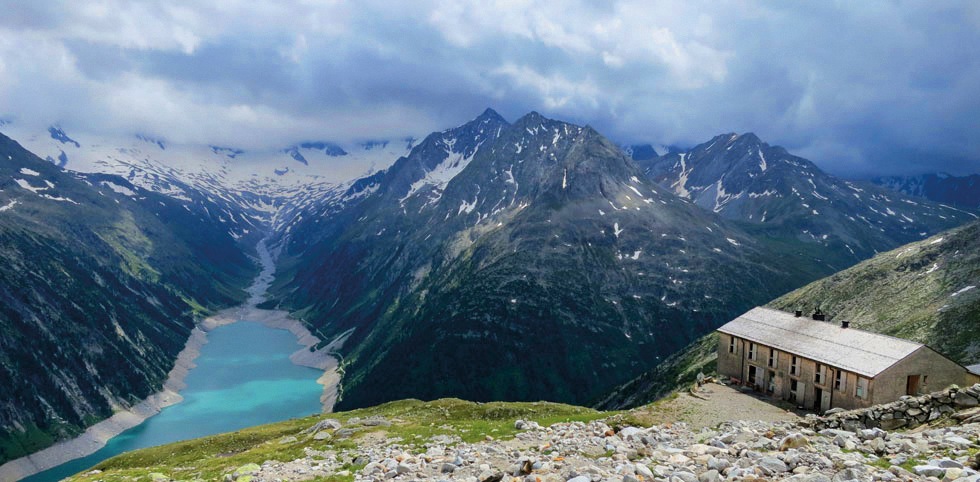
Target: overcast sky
{"type": "Point", "coordinates": [861, 88]}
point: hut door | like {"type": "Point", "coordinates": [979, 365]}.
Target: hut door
{"type": "Point", "coordinates": [825, 401]}
{"type": "Point", "coordinates": [912, 385]}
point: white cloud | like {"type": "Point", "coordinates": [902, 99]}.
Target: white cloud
{"type": "Point", "coordinates": [855, 82]}
{"type": "Point", "coordinates": [554, 90]}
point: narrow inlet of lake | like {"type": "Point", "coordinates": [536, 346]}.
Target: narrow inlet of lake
{"type": "Point", "coordinates": [243, 378]}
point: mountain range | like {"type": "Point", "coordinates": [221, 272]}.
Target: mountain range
{"type": "Point", "coordinates": [490, 261]}
{"type": "Point", "coordinates": [788, 197]}
{"type": "Point", "coordinates": [962, 191]}
{"type": "Point", "coordinates": [476, 265]}
{"type": "Point", "coordinates": [252, 189]}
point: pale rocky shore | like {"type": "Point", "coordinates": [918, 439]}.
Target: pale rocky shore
{"type": "Point", "coordinates": [98, 435]}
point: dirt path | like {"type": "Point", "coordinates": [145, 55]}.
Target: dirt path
{"type": "Point", "coordinates": [720, 403]}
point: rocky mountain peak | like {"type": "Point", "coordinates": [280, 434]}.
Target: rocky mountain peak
{"type": "Point", "coordinates": [530, 118]}
{"type": "Point", "coordinates": [490, 115]}
{"type": "Point", "coordinates": [742, 178]}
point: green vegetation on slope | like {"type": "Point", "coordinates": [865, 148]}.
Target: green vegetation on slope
{"type": "Point", "coordinates": [678, 371]}
{"type": "Point", "coordinates": [920, 291]}
{"type": "Point", "coordinates": [413, 421]}
{"type": "Point", "coordinates": [548, 268]}
{"type": "Point", "coordinates": [98, 294]}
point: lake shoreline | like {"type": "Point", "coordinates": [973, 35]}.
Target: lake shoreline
{"type": "Point", "coordinates": [98, 435]}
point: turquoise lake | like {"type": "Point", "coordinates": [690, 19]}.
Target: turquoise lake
{"type": "Point", "coordinates": [243, 378]}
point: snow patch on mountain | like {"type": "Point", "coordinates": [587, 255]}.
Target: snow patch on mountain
{"type": "Point", "coordinates": [680, 187]}
{"type": "Point", "coordinates": [27, 185]}
{"type": "Point", "coordinates": [438, 178]}
{"type": "Point", "coordinates": [119, 189]}
{"type": "Point", "coordinates": [259, 182]}
{"type": "Point", "coordinates": [964, 290]}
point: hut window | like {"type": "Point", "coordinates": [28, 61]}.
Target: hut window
{"type": "Point", "coordinates": [751, 351]}
{"type": "Point", "coordinates": [820, 374]}
{"type": "Point", "coordinates": [794, 367]}
{"type": "Point", "coordinates": [840, 381]}
{"type": "Point", "coordinates": [861, 390]}
{"type": "Point", "coordinates": [773, 357]}
{"type": "Point", "coordinates": [732, 345]}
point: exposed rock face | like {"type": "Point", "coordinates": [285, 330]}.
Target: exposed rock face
{"type": "Point", "coordinates": [743, 178]}
{"type": "Point", "coordinates": [519, 261]}
{"type": "Point", "coordinates": [963, 191]}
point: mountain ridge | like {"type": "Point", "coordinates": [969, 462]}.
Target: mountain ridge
{"type": "Point", "coordinates": [544, 230]}
{"type": "Point", "coordinates": [782, 195]}
{"type": "Point", "coordinates": [962, 191]}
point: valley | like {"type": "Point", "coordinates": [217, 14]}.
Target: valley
{"type": "Point", "coordinates": [239, 368]}
{"type": "Point", "coordinates": [465, 241]}
{"type": "Point", "coordinates": [518, 261]}
{"type": "Point", "coordinates": [506, 244]}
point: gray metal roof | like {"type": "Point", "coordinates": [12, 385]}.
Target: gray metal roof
{"type": "Point", "coordinates": [850, 349]}
{"type": "Point", "coordinates": [974, 369]}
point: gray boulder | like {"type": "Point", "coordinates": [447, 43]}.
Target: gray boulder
{"type": "Point", "coordinates": [965, 400]}
{"type": "Point", "coordinates": [773, 465]}
{"type": "Point", "coordinates": [852, 475]}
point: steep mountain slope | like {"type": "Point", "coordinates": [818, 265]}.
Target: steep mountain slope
{"type": "Point", "coordinates": [516, 261]}
{"type": "Point", "coordinates": [99, 288]}
{"type": "Point", "coordinates": [677, 372]}
{"type": "Point", "coordinates": [940, 187]}
{"type": "Point", "coordinates": [788, 197]}
{"type": "Point", "coordinates": [925, 291]}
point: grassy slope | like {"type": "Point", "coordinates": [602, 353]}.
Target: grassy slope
{"type": "Point", "coordinates": [909, 292]}
{"type": "Point", "coordinates": [906, 292]}
{"type": "Point", "coordinates": [209, 458]}
{"type": "Point", "coordinates": [678, 371]}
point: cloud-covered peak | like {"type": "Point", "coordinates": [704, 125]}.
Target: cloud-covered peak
{"type": "Point", "coordinates": [859, 88]}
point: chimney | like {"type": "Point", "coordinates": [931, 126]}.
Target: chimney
{"type": "Point", "coordinates": [845, 324]}
{"type": "Point", "coordinates": [799, 313]}
{"type": "Point", "coordinates": [819, 316]}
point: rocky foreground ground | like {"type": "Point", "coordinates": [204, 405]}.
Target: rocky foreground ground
{"type": "Point", "coordinates": [610, 449]}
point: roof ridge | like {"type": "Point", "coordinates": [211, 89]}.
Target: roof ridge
{"type": "Point", "coordinates": [859, 351]}
{"type": "Point", "coordinates": [849, 328]}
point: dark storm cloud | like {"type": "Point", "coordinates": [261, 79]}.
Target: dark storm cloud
{"type": "Point", "coordinates": [861, 88]}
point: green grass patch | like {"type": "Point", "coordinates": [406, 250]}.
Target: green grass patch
{"type": "Point", "coordinates": [413, 421]}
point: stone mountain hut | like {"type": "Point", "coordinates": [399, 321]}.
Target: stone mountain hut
{"type": "Point", "coordinates": [821, 365]}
